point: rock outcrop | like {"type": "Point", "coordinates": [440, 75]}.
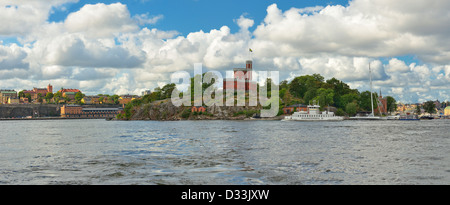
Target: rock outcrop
{"type": "Point", "coordinates": [165, 110]}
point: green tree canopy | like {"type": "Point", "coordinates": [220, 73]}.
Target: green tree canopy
{"type": "Point", "coordinates": [391, 104]}
{"type": "Point", "coordinates": [429, 107]}
{"type": "Point", "coordinates": [351, 108]}
{"type": "Point", "coordinates": [364, 102]}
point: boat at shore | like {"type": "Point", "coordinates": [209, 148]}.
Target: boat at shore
{"type": "Point", "coordinates": [427, 117]}
{"type": "Point", "coordinates": [409, 117]}
{"type": "Point", "coordinates": [313, 113]}
{"type": "Point", "coordinates": [370, 116]}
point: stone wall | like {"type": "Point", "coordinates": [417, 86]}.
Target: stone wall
{"type": "Point", "coordinates": [24, 110]}
{"type": "Point", "coordinates": [38, 110]}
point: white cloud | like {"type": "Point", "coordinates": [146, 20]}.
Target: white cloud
{"type": "Point", "coordinates": [20, 17]}
{"type": "Point", "coordinates": [101, 20]}
{"type": "Point", "coordinates": [144, 19]}
{"type": "Point", "coordinates": [343, 68]}
{"type": "Point", "coordinates": [12, 57]}
{"type": "Point", "coordinates": [73, 50]}
{"type": "Point", "coordinates": [364, 28]}
{"type": "Point", "coordinates": [396, 65]}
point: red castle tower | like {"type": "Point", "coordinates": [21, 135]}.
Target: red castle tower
{"type": "Point", "coordinates": [243, 76]}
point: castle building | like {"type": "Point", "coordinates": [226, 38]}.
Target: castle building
{"type": "Point", "coordinates": [36, 92]}
{"type": "Point", "coordinates": [242, 79]}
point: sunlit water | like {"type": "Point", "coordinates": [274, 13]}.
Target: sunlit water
{"type": "Point", "coordinates": [224, 152]}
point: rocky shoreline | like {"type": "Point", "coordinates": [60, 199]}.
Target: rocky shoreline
{"type": "Point", "coordinates": [164, 110]}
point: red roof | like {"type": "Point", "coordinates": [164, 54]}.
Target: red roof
{"type": "Point", "coordinates": [69, 90]}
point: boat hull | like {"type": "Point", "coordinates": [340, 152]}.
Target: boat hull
{"type": "Point", "coordinates": [313, 119]}
{"type": "Point", "coordinates": [367, 118]}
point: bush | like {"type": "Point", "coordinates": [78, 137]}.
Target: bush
{"type": "Point", "coordinates": [186, 113]}
{"type": "Point", "coordinates": [340, 112]}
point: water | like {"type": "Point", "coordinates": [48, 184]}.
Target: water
{"type": "Point", "coordinates": [224, 152]}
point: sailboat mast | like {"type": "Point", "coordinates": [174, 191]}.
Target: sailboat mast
{"type": "Point", "coordinates": [371, 96]}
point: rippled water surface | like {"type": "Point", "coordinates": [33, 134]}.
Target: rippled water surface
{"type": "Point", "coordinates": [224, 152]}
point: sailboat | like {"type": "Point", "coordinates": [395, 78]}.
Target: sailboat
{"type": "Point", "coordinates": [371, 116]}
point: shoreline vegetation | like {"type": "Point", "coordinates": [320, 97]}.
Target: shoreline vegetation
{"type": "Point", "coordinates": [331, 94]}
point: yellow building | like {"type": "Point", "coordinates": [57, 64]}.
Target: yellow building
{"type": "Point", "coordinates": [5, 94]}
{"type": "Point", "coordinates": [125, 99]}
{"type": "Point", "coordinates": [447, 111]}
{"type": "Point", "coordinates": [13, 100]}
{"type": "Point", "coordinates": [91, 100]}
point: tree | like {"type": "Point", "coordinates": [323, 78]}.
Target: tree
{"type": "Point", "coordinates": [115, 99]}
{"type": "Point", "coordinates": [418, 111]}
{"type": "Point", "coordinates": [325, 96]}
{"type": "Point", "coordinates": [302, 84]}
{"type": "Point", "coordinates": [78, 97]}
{"type": "Point", "coordinates": [429, 107]}
{"type": "Point", "coordinates": [309, 95]}
{"type": "Point", "coordinates": [28, 95]}
{"type": "Point", "coordinates": [166, 91]}
{"type": "Point", "coordinates": [391, 104]}
{"type": "Point", "coordinates": [365, 101]}
{"type": "Point", "coordinates": [39, 98]}
{"type": "Point", "coordinates": [347, 98]}
{"type": "Point", "coordinates": [49, 96]}
{"type": "Point", "coordinates": [284, 85]}
{"type": "Point", "coordinates": [351, 108]}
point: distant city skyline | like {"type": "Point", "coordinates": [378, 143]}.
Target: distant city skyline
{"type": "Point", "coordinates": [127, 47]}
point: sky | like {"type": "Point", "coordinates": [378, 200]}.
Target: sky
{"type": "Point", "coordinates": [126, 47]}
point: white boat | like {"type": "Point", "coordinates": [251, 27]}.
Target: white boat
{"type": "Point", "coordinates": [368, 117]}
{"type": "Point", "coordinates": [313, 114]}
{"type": "Point", "coordinates": [393, 117]}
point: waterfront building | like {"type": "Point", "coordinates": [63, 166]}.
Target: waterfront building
{"type": "Point", "coordinates": [70, 93]}
{"type": "Point", "coordinates": [76, 111]}
{"type": "Point", "coordinates": [71, 111]}
{"type": "Point", "coordinates": [401, 107]}
{"type": "Point", "coordinates": [146, 92]}
{"type": "Point", "coordinates": [91, 100]}
{"type": "Point", "coordinates": [13, 100]}
{"type": "Point", "coordinates": [6, 94]}
{"type": "Point", "coordinates": [295, 108]}
{"type": "Point", "coordinates": [125, 99]}
{"type": "Point", "coordinates": [242, 79]}
{"type": "Point", "coordinates": [447, 111]}
{"type": "Point", "coordinates": [24, 100]}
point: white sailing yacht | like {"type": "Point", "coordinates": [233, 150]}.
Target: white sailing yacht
{"type": "Point", "coordinates": [371, 116]}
